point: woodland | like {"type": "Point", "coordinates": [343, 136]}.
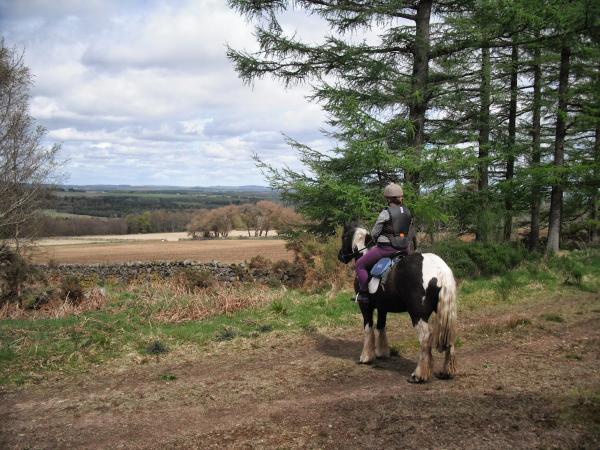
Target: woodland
{"type": "Point", "coordinates": [488, 112]}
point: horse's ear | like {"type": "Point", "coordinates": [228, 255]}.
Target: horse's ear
{"type": "Point", "coordinates": [350, 224]}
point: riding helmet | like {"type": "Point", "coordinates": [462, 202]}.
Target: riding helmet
{"type": "Point", "coordinates": [393, 190]}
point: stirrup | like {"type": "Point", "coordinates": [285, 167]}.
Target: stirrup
{"type": "Point", "coordinates": [362, 297]}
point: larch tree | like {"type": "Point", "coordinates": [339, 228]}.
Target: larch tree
{"type": "Point", "coordinates": [377, 93]}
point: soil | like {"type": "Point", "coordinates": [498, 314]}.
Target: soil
{"type": "Point", "coordinates": [528, 378]}
{"type": "Point", "coordinates": [103, 238]}
{"type": "Point", "coordinates": [225, 251]}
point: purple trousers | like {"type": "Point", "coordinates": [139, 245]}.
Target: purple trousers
{"type": "Point", "coordinates": [368, 260]}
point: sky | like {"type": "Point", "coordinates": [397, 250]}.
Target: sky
{"type": "Point", "coordinates": [141, 92]}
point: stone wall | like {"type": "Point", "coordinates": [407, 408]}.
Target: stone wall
{"type": "Point", "coordinates": [125, 272]}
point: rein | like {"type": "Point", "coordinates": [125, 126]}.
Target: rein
{"type": "Point", "coordinates": [355, 253]}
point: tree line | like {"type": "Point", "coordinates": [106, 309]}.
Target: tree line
{"type": "Point", "coordinates": [121, 203]}
{"type": "Point", "coordinates": [487, 111]}
{"type": "Point", "coordinates": [158, 221]}
{"type": "Point", "coordinates": [257, 219]}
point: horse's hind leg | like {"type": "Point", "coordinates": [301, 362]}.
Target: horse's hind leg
{"type": "Point", "coordinates": [368, 352]}
{"type": "Point", "coordinates": [382, 347]}
{"type": "Point", "coordinates": [449, 369]}
{"type": "Point", "coordinates": [423, 371]}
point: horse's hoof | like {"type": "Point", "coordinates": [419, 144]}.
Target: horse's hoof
{"type": "Point", "coordinates": [444, 376]}
{"type": "Point", "coordinates": [415, 379]}
{"type": "Point", "coordinates": [366, 361]}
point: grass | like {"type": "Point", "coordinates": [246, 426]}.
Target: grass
{"type": "Point", "coordinates": [151, 320]}
{"type": "Point", "coordinates": [29, 349]}
{"type": "Point", "coordinates": [579, 271]}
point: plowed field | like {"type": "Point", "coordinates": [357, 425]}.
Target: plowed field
{"type": "Point", "coordinates": [227, 251]}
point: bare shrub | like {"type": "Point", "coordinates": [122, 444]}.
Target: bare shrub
{"type": "Point", "coordinates": [260, 262]}
{"type": "Point", "coordinates": [56, 308]}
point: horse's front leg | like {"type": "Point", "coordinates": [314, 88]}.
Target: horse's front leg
{"type": "Point", "coordinates": [423, 371]}
{"type": "Point", "coordinates": [368, 352]}
{"type": "Point", "coordinates": [382, 347]}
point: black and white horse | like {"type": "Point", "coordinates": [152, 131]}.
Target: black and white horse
{"type": "Point", "coordinates": [423, 286]}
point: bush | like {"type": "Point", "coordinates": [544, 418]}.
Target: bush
{"type": "Point", "coordinates": [318, 256]}
{"type": "Point", "coordinates": [260, 262]}
{"type": "Point", "coordinates": [472, 259]}
{"type": "Point", "coordinates": [194, 279]}
{"type": "Point", "coordinates": [156, 348]}
{"type": "Point", "coordinates": [572, 270]}
{"type": "Point", "coordinates": [15, 274]}
{"type": "Point", "coordinates": [291, 274]}
{"type": "Point", "coordinates": [71, 290]}
{"type": "Point", "coordinates": [506, 285]}
{"type": "Point", "coordinates": [242, 273]}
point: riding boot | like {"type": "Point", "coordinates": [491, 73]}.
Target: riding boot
{"type": "Point", "coordinates": [363, 297]}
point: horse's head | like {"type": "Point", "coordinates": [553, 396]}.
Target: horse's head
{"type": "Point", "coordinates": [354, 242]}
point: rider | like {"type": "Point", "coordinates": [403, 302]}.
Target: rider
{"type": "Point", "coordinates": [393, 232]}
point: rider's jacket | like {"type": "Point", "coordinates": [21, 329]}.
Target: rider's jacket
{"type": "Point", "coordinates": [394, 227]}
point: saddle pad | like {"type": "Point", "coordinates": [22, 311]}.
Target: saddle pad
{"type": "Point", "coordinates": [381, 267]}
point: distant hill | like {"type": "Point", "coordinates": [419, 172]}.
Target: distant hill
{"type": "Point", "coordinates": [106, 200]}
{"type": "Point", "coordinates": [151, 188]}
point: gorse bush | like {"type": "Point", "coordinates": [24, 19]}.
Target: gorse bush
{"type": "Point", "coordinates": [472, 259]}
{"type": "Point", "coordinates": [71, 290]}
{"type": "Point", "coordinates": [15, 274]}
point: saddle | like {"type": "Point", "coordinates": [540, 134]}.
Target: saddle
{"type": "Point", "coordinates": [380, 271]}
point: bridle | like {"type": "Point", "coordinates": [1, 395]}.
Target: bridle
{"type": "Point", "coordinates": [356, 252]}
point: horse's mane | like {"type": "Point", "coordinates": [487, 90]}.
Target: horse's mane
{"type": "Point", "coordinates": [354, 224]}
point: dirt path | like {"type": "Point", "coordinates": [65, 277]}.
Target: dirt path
{"type": "Point", "coordinates": [227, 251]}
{"type": "Point", "coordinates": [529, 378]}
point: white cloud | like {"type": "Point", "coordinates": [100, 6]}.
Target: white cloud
{"type": "Point", "coordinates": [141, 92]}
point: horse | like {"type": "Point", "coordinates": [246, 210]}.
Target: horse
{"type": "Point", "coordinates": [421, 284]}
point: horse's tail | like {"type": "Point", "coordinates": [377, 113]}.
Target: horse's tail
{"type": "Point", "coordinates": [444, 331]}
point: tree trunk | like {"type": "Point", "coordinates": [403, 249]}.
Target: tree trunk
{"type": "Point", "coordinates": [556, 197]}
{"type": "Point", "coordinates": [481, 233]}
{"type": "Point", "coordinates": [419, 88]}
{"type": "Point", "coordinates": [594, 197]}
{"type": "Point", "coordinates": [512, 132]}
{"type": "Point", "coordinates": [536, 194]}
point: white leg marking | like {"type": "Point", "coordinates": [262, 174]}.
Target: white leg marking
{"type": "Point", "coordinates": [368, 353]}
{"type": "Point", "coordinates": [382, 347]}
{"type": "Point", "coordinates": [423, 371]}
